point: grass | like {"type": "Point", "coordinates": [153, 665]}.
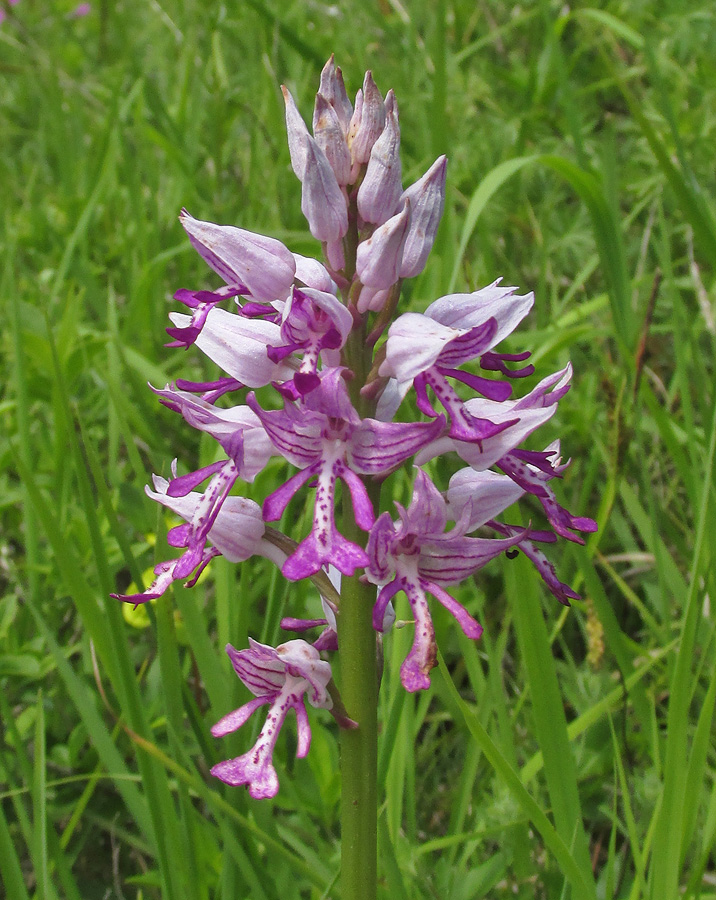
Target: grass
{"type": "Point", "coordinates": [569, 754]}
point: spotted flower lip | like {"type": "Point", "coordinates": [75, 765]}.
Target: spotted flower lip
{"type": "Point", "coordinates": [282, 677]}
{"type": "Point", "coordinates": [326, 439]}
{"type": "Point", "coordinates": [418, 556]}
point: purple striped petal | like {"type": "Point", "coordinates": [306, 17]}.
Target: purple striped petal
{"type": "Point", "coordinates": [303, 661]}
{"type": "Point", "coordinates": [378, 447]}
{"type": "Point", "coordinates": [295, 433]}
{"type": "Point", "coordinates": [494, 301]}
{"type": "Point", "coordinates": [423, 654]}
{"type": "Point", "coordinates": [453, 559]}
{"type": "Point", "coordinates": [484, 494]}
{"type": "Point", "coordinates": [261, 264]}
{"type": "Point", "coordinates": [238, 346]}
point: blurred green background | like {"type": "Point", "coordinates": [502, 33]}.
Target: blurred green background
{"type": "Point", "coordinates": [570, 753]}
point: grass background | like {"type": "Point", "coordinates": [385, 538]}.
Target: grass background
{"type": "Point", "coordinates": [569, 754]}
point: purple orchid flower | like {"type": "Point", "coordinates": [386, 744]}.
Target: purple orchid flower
{"type": "Point", "coordinates": [326, 439]}
{"type": "Point", "coordinates": [313, 323]}
{"type": "Point", "coordinates": [482, 496]}
{"type": "Point", "coordinates": [418, 556]}
{"type": "Point", "coordinates": [237, 429]}
{"type": "Point", "coordinates": [232, 525]}
{"type": "Point", "coordinates": [296, 325]}
{"type": "Point", "coordinates": [426, 349]}
{"type": "Point", "coordinates": [530, 470]}
{"type": "Point", "coordinates": [281, 677]}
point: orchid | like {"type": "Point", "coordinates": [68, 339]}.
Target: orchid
{"type": "Point", "coordinates": [281, 677]}
{"type": "Point", "coordinates": [418, 556]}
{"type": "Point", "coordinates": [302, 344]}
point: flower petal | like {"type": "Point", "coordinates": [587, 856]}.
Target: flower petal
{"type": "Point", "coordinates": [238, 345]}
{"type": "Point", "coordinates": [260, 263]}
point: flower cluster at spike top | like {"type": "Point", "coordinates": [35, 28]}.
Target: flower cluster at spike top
{"type": "Point", "coordinates": [326, 337]}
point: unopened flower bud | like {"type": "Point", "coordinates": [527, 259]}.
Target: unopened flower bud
{"type": "Point", "coordinates": [322, 201]}
{"type": "Point", "coordinates": [334, 91]}
{"type": "Point", "coordinates": [335, 254]}
{"type": "Point", "coordinates": [379, 194]}
{"type": "Point", "coordinates": [296, 131]}
{"type": "Point", "coordinates": [379, 258]}
{"type": "Point", "coordinates": [371, 299]}
{"type": "Point", "coordinates": [368, 121]}
{"type": "Point", "coordinates": [427, 199]}
{"type": "Point", "coordinates": [330, 138]}
{"type": "Point", "coordinates": [262, 264]}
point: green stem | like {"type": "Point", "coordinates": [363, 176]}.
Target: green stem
{"type": "Point", "coordinates": [359, 684]}
{"type": "Point", "coordinates": [359, 756]}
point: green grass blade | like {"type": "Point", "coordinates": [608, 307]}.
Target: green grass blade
{"type": "Point", "coordinates": [39, 805]}
{"type": "Point", "coordinates": [595, 713]}
{"type": "Point", "coordinates": [102, 740]}
{"type": "Point", "coordinates": [489, 185]}
{"type": "Point", "coordinates": [670, 828]}
{"type": "Point", "coordinates": [22, 414]}
{"type": "Point", "coordinates": [9, 863]}
{"type": "Point", "coordinates": [606, 230]}
{"type": "Point", "coordinates": [583, 886]}
{"type": "Point", "coordinates": [548, 710]}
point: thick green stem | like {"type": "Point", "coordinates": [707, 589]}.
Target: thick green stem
{"type": "Point", "coordinates": [359, 756]}
{"type": "Point", "coordinates": [359, 685]}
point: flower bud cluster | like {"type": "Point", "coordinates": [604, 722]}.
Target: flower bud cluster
{"type": "Point", "coordinates": [313, 331]}
{"type": "Point", "coordinates": [351, 181]}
